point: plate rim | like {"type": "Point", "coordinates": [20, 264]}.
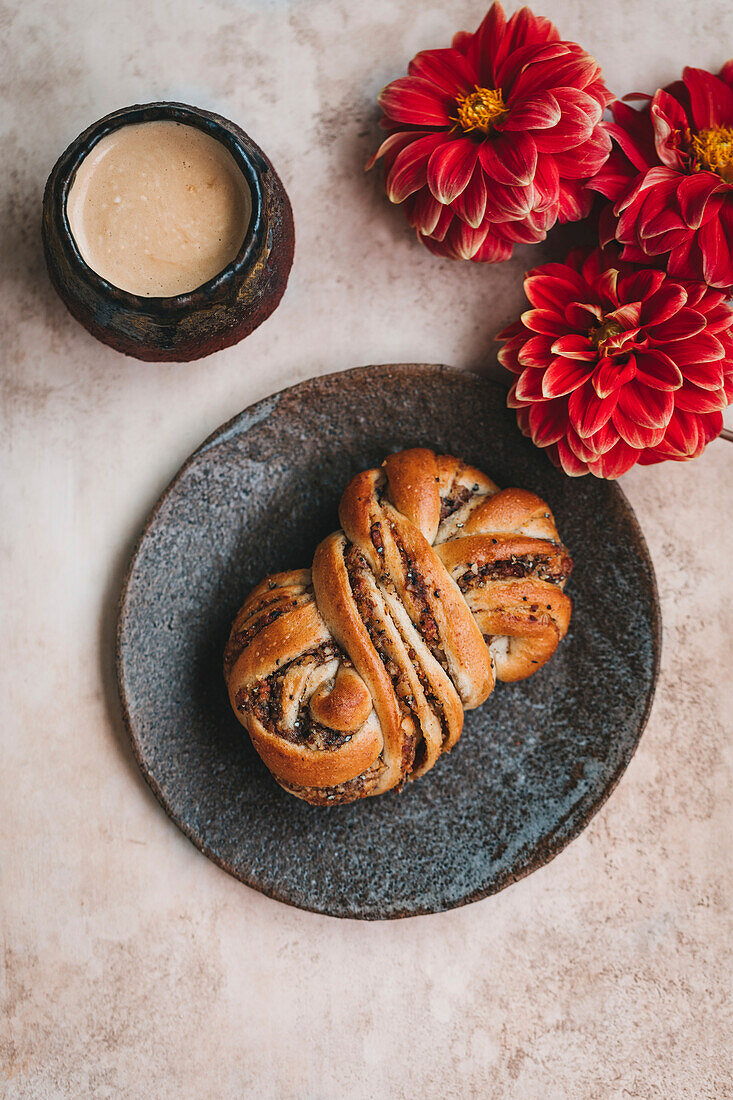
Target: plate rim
{"type": "Point", "coordinates": [545, 852]}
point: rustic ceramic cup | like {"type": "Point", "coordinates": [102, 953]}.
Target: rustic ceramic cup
{"type": "Point", "coordinates": [185, 326]}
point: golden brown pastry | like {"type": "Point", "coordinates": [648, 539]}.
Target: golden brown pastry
{"type": "Point", "coordinates": [353, 676]}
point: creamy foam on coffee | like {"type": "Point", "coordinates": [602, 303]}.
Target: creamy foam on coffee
{"type": "Point", "coordinates": [158, 208]}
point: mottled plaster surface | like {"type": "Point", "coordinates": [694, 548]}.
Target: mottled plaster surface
{"type": "Point", "coordinates": [132, 966]}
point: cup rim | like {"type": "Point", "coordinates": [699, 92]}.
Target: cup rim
{"type": "Point", "coordinates": [221, 129]}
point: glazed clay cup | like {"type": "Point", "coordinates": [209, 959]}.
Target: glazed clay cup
{"type": "Point", "coordinates": [185, 326]}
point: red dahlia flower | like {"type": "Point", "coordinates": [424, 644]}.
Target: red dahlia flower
{"type": "Point", "coordinates": [491, 141]}
{"type": "Point", "coordinates": [671, 178]}
{"type": "Point", "coordinates": [618, 364]}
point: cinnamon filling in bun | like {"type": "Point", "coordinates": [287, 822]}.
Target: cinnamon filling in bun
{"type": "Point", "coordinates": [418, 589]}
{"type": "Point", "coordinates": [349, 791]}
{"type": "Point", "coordinates": [373, 618]}
{"type": "Point", "coordinates": [264, 701]}
{"type": "Point", "coordinates": [455, 500]}
{"type": "Point", "coordinates": [543, 568]}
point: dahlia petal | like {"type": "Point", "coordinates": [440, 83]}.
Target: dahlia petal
{"type": "Point", "coordinates": [547, 422]}
{"type": "Point", "coordinates": [445, 221]}
{"type": "Point", "coordinates": [545, 321]}
{"type": "Point", "coordinates": [685, 261]}
{"type": "Point", "coordinates": [423, 212]}
{"type": "Point", "coordinates": [684, 324]}
{"type": "Point", "coordinates": [563, 376]}
{"type": "Point", "coordinates": [588, 412]}
{"type": "Point", "coordinates": [436, 245]}
{"type": "Point", "coordinates": [509, 160]}
{"type": "Point", "coordinates": [657, 370]}
{"type": "Point", "coordinates": [529, 230]}
{"type": "Point", "coordinates": [637, 147]}
{"type": "Point", "coordinates": [528, 387]}
{"type": "Point", "coordinates": [627, 315]}
{"type": "Point", "coordinates": [574, 201]}
{"type": "Point", "coordinates": [464, 240]}
{"type": "Point", "coordinates": [416, 102]}
{"type": "Point", "coordinates": [658, 178]}
{"type": "Point", "coordinates": [651, 456]}
{"type": "Point", "coordinates": [449, 69]}
{"type": "Point", "coordinates": [409, 172]}
{"type": "Point", "coordinates": [570, 463]}
{"type": "Point", "coordinates": [636, 435]}
{"type": "Point", "coordinates": [460, 241]}
{"type": "Point", "coordinates": [693, 193]}
{"type": "Point", "coordinates": [486, 48]}
{"type": "Point", "coordinates": [579, 102]}
{"type": "Point", "coordinates": [663, 303]}
{"type": "Point", "coordinates": [704, 348]}
{"type": "Point", "coordinates": [507, 355]}
{"type": "Point", "coordinates": [583, 315]}
{"type": "Point", "coordinates": [719, 316]}
{"type": "Point", "coordinates": [553, 290]}
{"type": "Point", "coordinates": [612, 178]}
{"type": "Point", "coordinates": [602, 440]}
{"type": "Point", "coordinates": [627, 221]}
{"type": "Point", "coordinates": [668, 119]}
{"type": "Point", "coordinates": [711, 426]}
{"type": "Point", "coordinates": [607, 285]}
{"type": "Point", "coordinates": [693, 399]}
{"type": "Point", "coordinates": [450, 167]}
{"type": "Point", "coordinates": [699, 293]}
{"type": "Point", "coordinates": [575, 346]}
{"type": "Point", "coordinates": [576, 125]}
{"type": "Point", "coordinates": [511, 401]}
{"type": "Point", "coordinates": [494, 250]}
{"type": "Point", "coordinates": [708, 376]}
{"type": "Point", "coordinates": [648, 407]}
{"type": "Point", "coordinates": [518, 59]}
{"type": "Point", "coordinates": [598, 90]}
{"type": "Point", "coordinates": [716, 245]}
{"type": "Point", "coordinates": [539, 112]}
{"type": "Point", "coordinates": [710, 98]}
{"type": "Point", "coordinates": [461, 41]}
{"type": "Point", "coordinates": [664, 224]}
{"type": "Point", "coordinates": [656, 225]}
{"type": "Point", "coordinates": [575, 69]}
{"type": "Point", "coordinates": [615, 462]}
{"type": "Point", "coordinates": [536, 352]}
{"type": "Point", "coordinates": [526, 28]}
{"type": "Point", "coordinates": [662, 243]}
{"type": "Point", "coordinates": [505, 203]}
{"type": "Point", "coordinates": [546, 182]}
{"type": "Point", "coordinates": [392, 145]}
{"type": "Point", "coordinates": [682, 437]}
{"type": "Point", "coordinates": [728, 387]}
{"type": "Point", "coordinates": [581, 448]}
{"type": "Point", "coordinates": [470, 205]}
{"type": "Point", "coordinates": [610, 376]}
{"type": "Point", "coordinates": [514, 332]}
{"type": "Point", "coordinates": [585, 160]}
{"type": "Point", "coordinates": [638, 286]}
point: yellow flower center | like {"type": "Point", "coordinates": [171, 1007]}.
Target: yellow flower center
{"type": "Point", "coordinates": [713, 150]}
{"type": "Point", "coordinates": [605, 332]}
{"type": "Point", "coordinates": [479, 110]}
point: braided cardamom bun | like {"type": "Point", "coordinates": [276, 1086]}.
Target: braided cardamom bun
{"type": "Point", "coordinates": [353, 676]}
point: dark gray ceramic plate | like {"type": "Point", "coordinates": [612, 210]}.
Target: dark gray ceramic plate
{"type": "Point", "coordinates": [533, 764]}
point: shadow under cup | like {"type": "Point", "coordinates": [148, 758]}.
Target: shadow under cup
{"type": "Point", "coordinates": [216, 314]}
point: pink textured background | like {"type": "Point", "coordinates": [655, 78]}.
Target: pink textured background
{"type": "Point", "coordinates": [132, 966]}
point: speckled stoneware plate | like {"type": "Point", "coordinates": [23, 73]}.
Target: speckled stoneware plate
{"type": "Point", "coordinates": [534, 763]}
